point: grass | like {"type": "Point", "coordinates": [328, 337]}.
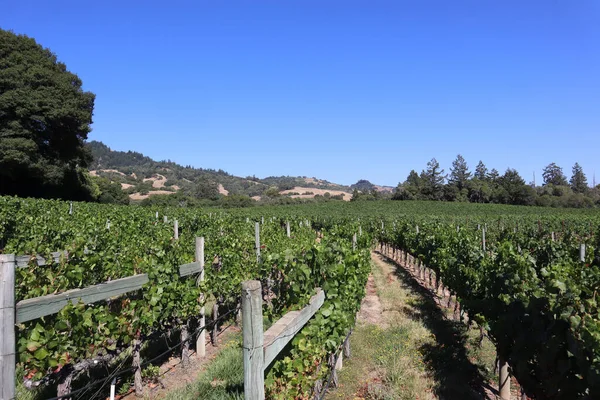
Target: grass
{"type": "Point", "coordinates": [416, 352]}
{"type": "Point", "coordinates": [223, 378]}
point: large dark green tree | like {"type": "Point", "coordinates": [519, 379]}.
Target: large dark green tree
{"type": "Point", "coordinates": [458, 181]}
{"type": "Point", "coordinates": [433, 181]}
{"type": "Point", "coordinates": [459, 173]}
{"type": "Point", "coordinates": [514, 190]}
{"type": "Point", "coordinates": [480, 171]}
{"type": "Point", "coordinates": [553, 175]}
{"type": "Point", "coordinates": [579, 182]}
{"type": "Point", "coordinates": [45, 118]}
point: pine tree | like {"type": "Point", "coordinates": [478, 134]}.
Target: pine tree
{"type": "Point", "coordinates": [553, 174]}
{"type": "Point", "coordinates": [578, 180]}
{"type": "Point", "coordinates": [459, 173]}
{"type": "Point", "coordinates": [481, 171]}
{"type": "Point", "coordinates": [433, 180]}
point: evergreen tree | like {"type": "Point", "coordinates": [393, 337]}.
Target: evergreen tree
{"type": "Point", "coordinates": [553, 175]}
{"type": "Point", "coordinates": [459, 173]}
{"type": "Point", "coordinates": [579, 182]}
{"type": "Point", "coordinates": [515, 191]}
{"type": "Point", "coordinates": [433, 181]}
{"type": "Point", "coordinates": [481, 171]}
{"type": "Point", "coordinates": [412, 186]}
{"type": "Point", "coordinates": [493, 175]}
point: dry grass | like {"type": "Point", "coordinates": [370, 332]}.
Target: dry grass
{"type": "Point", "coordinates": [415, 352]}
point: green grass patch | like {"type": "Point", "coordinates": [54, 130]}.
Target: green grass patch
{"type": "Point", "coordinates": [223, 378]}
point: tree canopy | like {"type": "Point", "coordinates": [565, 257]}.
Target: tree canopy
{"type": "Point", "coordinates": [578, 182]}
{"type": "Point", "coordinates": [488, 186]}
{"type": "Point", "coordinates": [459, 173]}
{"type": "Point", "coordinates": [553, 175]}
{"type": "Point", "coordinates": [45, 119]}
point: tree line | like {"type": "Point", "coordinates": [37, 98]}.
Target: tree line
{"type": "Point", "coordinates": [488, 186]}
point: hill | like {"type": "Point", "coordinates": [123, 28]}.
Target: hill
{"type": "Point", "coordinates": [141, 177]}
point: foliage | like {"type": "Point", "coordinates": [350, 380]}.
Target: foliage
{"type": "Point", "coordinates": [578, 180]}
{"type": "Point", "coordinates": [459, 173]}
{"type": "Point", "coordinates": [45, 119]}
{"type": "Point", "coordinates": [363, 185]}
{"type": "Point", "coordinates": [138, 241]}
{"type": "Point", "coordinates": [553, 175]}
{"type": "Point", "coordinates": [110, 192]}
{"type": "Point", "coordinates": [533, 294]}
{"type": "Point", "coordinates": [432, 180]}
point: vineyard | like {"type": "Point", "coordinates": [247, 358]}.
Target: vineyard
{"type": "Point", "coordinates": [528, 280]}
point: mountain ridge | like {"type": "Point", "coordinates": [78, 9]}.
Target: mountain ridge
{"type": "Point", "coordinates": [141, 177]}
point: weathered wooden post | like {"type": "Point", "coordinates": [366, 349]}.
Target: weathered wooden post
{"type": "Point", "coordinates": [257, 241]}
{"type": "Point", "coordinates": [582, 252]}
{"type": "Point", "coordinates": [359, 230]}
{"type": "Point", "coordinates": [287, 228]}
{"type": "Point", "coordinates": [137, 367]}
{"type": "Point", "coordinates": [71, 208]}
{"type": "Point", "coordinates": [483, 238]}
{"type": "Point", "coordinates": [503, 380]}
{"type": "Point", "coordinates": [157, 215]}
{"type": "Point", "coordinates": [252, 320]}
{"type": "Point", "coordinates": [165, 219]}
{"type": "Point", "coordinates": [552, 235]}
{"type": "Point", "coordinates": [354, 242]}
{"type": "Point", "coordinates": [201, 340]}
{"type": "Point", "coordinates": [340, 362]}
{"type": "Point", "coordinates": [7, 326]}
{"type": "Point", "coordinates": [184, 335]}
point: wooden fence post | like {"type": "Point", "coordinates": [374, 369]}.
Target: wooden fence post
{"type": "Point", "coordinates": [201, 340]}
{"type": "Point", "coordinates": [582, 253]}
{"type": "Point", "coordinates": [503, 380]}
{"type": "Point", "coordinates": [165, 219]}
{"type": "Point", "coordinates": [354, 242]}
{"type": "Point", "coordinates": [257, 241]}
{"type": "Point", "coordinates": [7, 326]}
{"type": "Point", "coordinates": [176, 230]}
{"type": "Point", "coordinates": [137, 367]}
{"type": "Point", "coordinates": [254, 379]}
{"type": "Point", "coordinates": [483, 238]}
{"type": "Point", "coordinates": [287, 228]}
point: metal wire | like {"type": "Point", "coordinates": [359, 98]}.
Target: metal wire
{"type": "Point", "coordinates": [321, 396]}
{"type": "Point", "coordinates": [118, 373]}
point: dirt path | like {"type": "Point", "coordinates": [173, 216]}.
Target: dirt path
{"type": "Point", "coordinates": [371, 310]}
{"type": "Point", "coordinates": [173, 376]}
{"type": "Point", "coordinates": [406, 347]}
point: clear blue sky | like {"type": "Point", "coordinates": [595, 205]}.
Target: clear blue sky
{"type": "Point", "coordinates": [341, 90]}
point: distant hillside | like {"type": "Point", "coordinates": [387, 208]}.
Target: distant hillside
{"type": "Point", "coordinates": [364, 185]}
{"type": "Point", "coordinates": [140, 176]}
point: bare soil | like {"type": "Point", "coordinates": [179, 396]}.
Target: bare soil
{"type": "Point", "coordinates": [315, 191]}
{"type": "Point", "coordinates": [172, 374]}
{"type": "Point", "coordinates": [371, 310]}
